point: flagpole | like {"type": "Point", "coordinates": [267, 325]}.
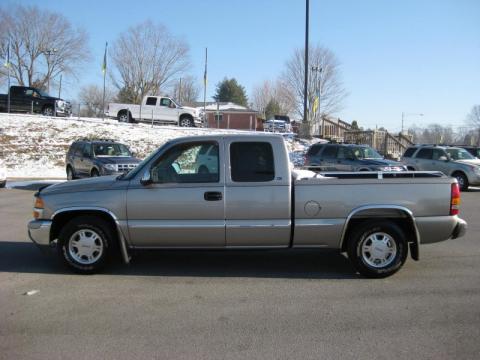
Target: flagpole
{"type": "Point", "coordinates": [205, 89]}
{"type": "Point", "coordinates": [8, 72]}
{"type": "Point", "coordinates": [104, 75]}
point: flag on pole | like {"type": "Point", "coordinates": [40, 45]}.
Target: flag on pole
{"type": "Point", "coordinates": [104, 65]}
{"type": "Point", "coordinates": [7, 62]}
{"type": "Point", "coordinates": [315, 105]}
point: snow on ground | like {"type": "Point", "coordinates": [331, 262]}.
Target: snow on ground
{"type": "Point", "coordinates": [35, 146]}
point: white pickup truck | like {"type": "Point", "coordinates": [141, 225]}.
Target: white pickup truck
{"type": "Point", "coordinates": [159, 109]}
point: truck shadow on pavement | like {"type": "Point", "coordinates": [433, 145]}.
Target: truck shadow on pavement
{"type": "Point", "coordinates": [23, 257]}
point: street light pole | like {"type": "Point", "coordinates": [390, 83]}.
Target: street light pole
{"type": "Point", "coordinates": [305, 89]}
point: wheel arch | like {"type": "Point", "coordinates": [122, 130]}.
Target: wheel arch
{"type": "Point", "coordinates": [400, 215]}
{"type": "Point", "coordinates": [61, 217]}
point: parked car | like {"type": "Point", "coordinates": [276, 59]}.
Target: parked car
{"type": "Point", "coordinates": [207, 159]}
{"type": "Point", "coordinates": [277, 125]}
{"type": "Point", "coordinates": [29, 99]}
{"type": "Point", "coordinates": [452, 161]}
{"type": "Point", "coordinates": [474, 150]}
{"type": "Point", "coordinates": [3, 174]}
{"type": "Point", "coordinates": [160, 109]}
{"type": "Point", "coordinates": [90, 158]}
{"type": "Point", "coordinates": [252, 201]}
{"type": "Point", "coordinates": [348, 157]}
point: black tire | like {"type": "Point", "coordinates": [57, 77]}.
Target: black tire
{"type": "Point", "coordinates": [124, 116]}
{"type": "Point", "coordinates": [186, 121]}
{"type": "Point", "coordinates": [389, 236]}
{"type": "Point", "coordinates": [462, 181]}
{"type": "Point", "coordinates": [98, 235]}
{"type": "Point", "coordinates": [48, 111]}
{"type": "Point", "coordinates": [3, 183]}
{"type": "Point", "coordinates": [94, 173]}
{"type": "Point", "coordinates": [70, 173]}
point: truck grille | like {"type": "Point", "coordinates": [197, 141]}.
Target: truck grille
{"type": "Point", "coordinates": [126, 167]}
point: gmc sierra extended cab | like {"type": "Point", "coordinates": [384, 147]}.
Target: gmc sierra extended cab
{"type": "Point", "coordinates": [158, 109]}
{"type": "Point", "coordinates": [239, 192]}
{"type": "Point", "coordinates": [31, 100]}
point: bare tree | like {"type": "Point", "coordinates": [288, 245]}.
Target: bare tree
{"type": "Point", "coordinates": [269, 91]}
{"type": "Point", "coordinates": [147, 58]}
{"type": "Point", "coordinates": [91, 98]}
{"type": "Point", "coordinates": [473, 119]}
{"type": "Point", "coordinates": [186, 89]}
{"type": "Point", "coordinates": [324, 80]}
{"type": "Point", "coordinates": [43, 45]}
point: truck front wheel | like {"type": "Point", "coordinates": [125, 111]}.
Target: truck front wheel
{"type": "Point", "coordinates": [84, 244]}
{"type": "Point", "coordinates": [377, 249]}
{"type": "Point", "coordinates": [47, 111]}
{"type": "Point", "coordinates": [186, 121]}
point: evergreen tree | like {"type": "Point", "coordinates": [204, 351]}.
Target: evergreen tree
{"type": "Point", "coordinates": [229, 90]}
{"type": "Point", "coordinates": [272, 108]}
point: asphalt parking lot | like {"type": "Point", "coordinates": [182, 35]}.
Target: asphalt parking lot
{"type": "Point", "coordinates": [237, 305]}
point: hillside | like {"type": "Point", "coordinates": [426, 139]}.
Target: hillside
{"type": "Point", "coordinates": [35, 146]}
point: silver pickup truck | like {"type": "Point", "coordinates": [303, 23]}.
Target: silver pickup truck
{"type": "Point", "coordinates": [239, 192]}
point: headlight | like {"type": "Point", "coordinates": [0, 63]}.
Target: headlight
{"type": "Point", "coordinates": [111, 167]}
{"type": "Point", "coordinates": [476, 169]}
{"type": "Point", "coordinates": [38, 208]}
{"type": "Point", "coordinates": [384, 168]}
{"type": "Point", "coordinates": [60, 103]}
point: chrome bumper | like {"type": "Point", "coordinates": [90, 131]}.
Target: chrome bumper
{"type": "Point", "coordinates": [460, 229]}
{"type": "Point", "coordinates": [39, 231]}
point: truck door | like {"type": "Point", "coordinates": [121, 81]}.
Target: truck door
{"type": "Point", "coordinates": [168, 110]}
{"type": "Point", "coordinates": [257, 194]}
{"type": "Point", "coordinates": [182, 207]}
{"type": "Point", "coordinates": [150, 108]}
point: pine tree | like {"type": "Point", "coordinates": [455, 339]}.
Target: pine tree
{"type": "Point", "coordinates": [229, 90]}
{"type": "Point", "coordinates": [272, 108]}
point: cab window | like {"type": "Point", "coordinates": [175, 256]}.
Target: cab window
{"type": "Point", "coordinates": [252, 162]}
{"type": "Point", "coordinates": [183, 163]}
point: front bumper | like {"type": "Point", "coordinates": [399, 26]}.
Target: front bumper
{"type": "Point", "coordinates": [39, 232]}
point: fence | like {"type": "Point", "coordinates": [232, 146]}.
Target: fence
{"type": "Point", "coordinates": [385, 143]}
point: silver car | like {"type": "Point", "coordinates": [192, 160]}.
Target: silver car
{"type": "Point", "coordinates": [452, 161]}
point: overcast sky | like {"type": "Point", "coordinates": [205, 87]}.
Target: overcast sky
{"type": "Point", "coordinates": [408, 56]}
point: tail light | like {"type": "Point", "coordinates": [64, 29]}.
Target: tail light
{"type": "Point", "coordinates": [455, 200]}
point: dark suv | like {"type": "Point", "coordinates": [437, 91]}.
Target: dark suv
{"type": "Point", "coordinates": [87, 158]}
{"type": "Point", "coordinates": [348, 157]}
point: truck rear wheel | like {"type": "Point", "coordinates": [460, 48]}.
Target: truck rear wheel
{"type": "Point", "coordinates": [377, 249]}
{"type": "Point", "coordinates": [84, 244]}
{"type": "Point", "coordinates": [124, 116]}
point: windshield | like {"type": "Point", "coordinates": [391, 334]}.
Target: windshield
{"type": "Point", "coordinates": [111, 150]}
{"type": "Point", "coordinates": [459, 154]}
{"type": "Point", "coordinates": [366, 153]}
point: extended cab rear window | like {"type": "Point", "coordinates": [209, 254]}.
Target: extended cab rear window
{"type": "Point", "coordinates": [252, 162]}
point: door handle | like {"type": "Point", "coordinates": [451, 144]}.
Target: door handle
{"type": "Point", "coordinates": [212, 196]}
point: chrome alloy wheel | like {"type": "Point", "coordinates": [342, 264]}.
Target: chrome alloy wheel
{"type": "Point", "coordinates": [85, 246]}
{"type": "Point", "coordinates": [378, 250]}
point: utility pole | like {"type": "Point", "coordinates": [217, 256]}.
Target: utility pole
{"type": "Point", "coordinates": [180, 91]}
{"type": "Point", "coordinates": [49, 53]}
{"type": "Point", "coordinates": [205, 89]}
{"type": "Point", "coordinates": [60, 87]}
{"type": "Point", "coordinates": [305, 89]}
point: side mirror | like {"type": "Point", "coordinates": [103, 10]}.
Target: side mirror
{"type": "Point", "coordinates": [146, 178]}
{"type": "Point", "coordinates": [443, 158]}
